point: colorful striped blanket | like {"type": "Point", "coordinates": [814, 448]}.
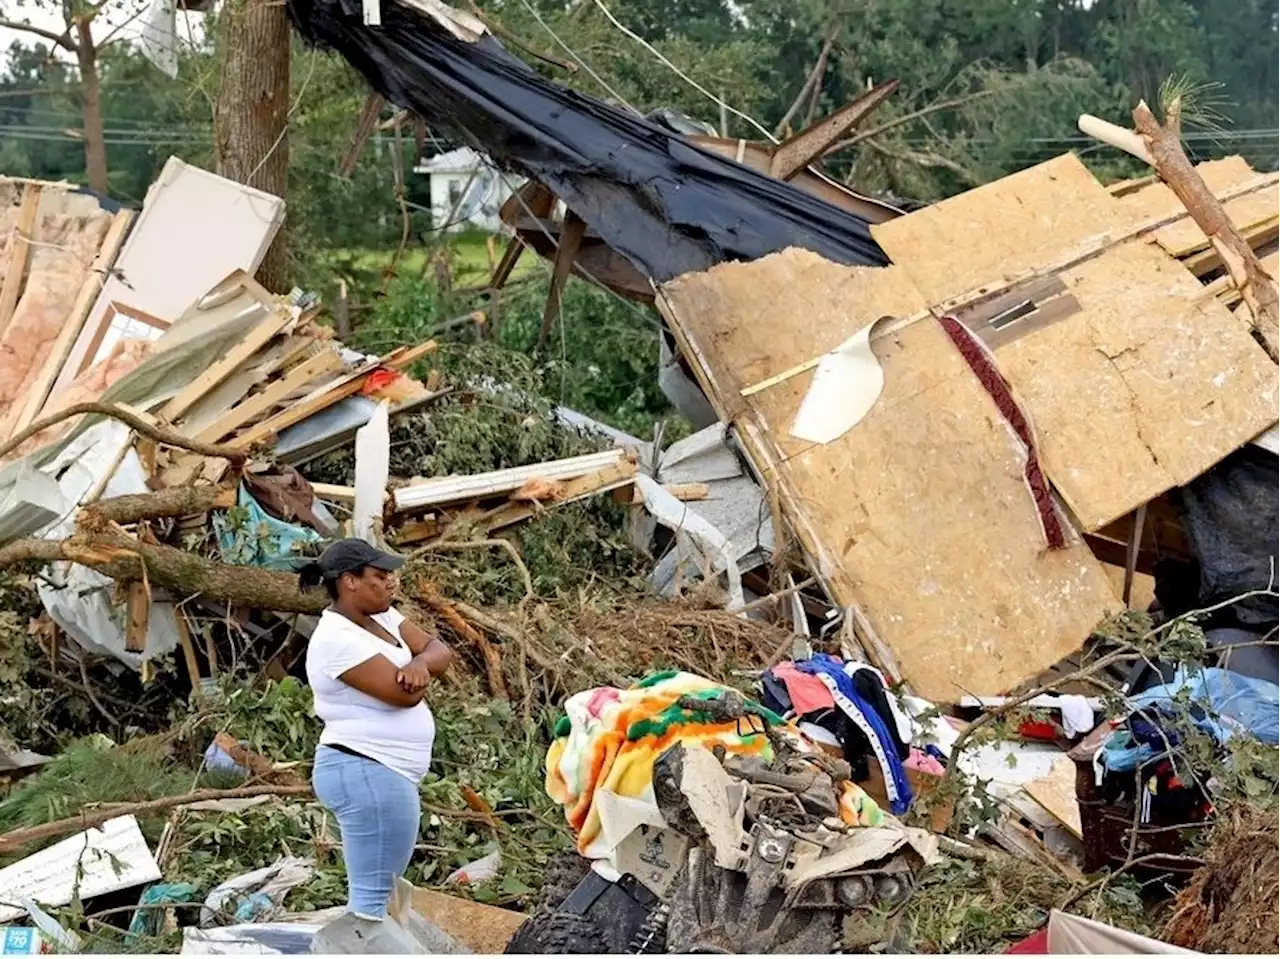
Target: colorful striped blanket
{"type": "Point", "coordinates": [600, 766]}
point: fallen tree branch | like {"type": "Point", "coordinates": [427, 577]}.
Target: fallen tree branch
{"type": "Point", "coordinates": [18, 838]}
{"type": "Point", "coordinates": [185, 574]}
{"type": "Point", "coordinates": [160, 434]}
{"type": "Point", "coordinates": [927, 159]}
{"type": "Point", "coordinates": [1164, 142]}
{"type": "Point", "coordinates": [907, 118]}
{"type": "Point", "coordinates": [179, 501]}
{"type": "Point", "coordinates": [814, 78]}
{"type": "Point", "coordinates": [447, 545]}
{"type": "Point", "coordinates": [446, 610]}
{"type": "Point", "coordinates": [1160, 146]}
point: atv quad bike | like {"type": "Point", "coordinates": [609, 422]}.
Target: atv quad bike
{"type": "Point", "coordinates": [754, 859]}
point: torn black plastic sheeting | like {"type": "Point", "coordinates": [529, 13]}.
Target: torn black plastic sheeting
{"type": "Point", "coordinates": [667, 206]}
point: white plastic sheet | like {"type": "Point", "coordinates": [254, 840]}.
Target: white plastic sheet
{"type": "Point", "coordinates": [79, 599]}
{"type": "Point", "coordinates": [160, 37]}
{"type": "Point", "coordinates": [696, 538]}
{"type": "Point", "coordinates": [273, 882]}
{"type": "Point", "coordinates": [373, 470]}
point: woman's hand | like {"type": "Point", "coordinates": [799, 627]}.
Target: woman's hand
{"type": "Point", "coordinates": [415, 676]}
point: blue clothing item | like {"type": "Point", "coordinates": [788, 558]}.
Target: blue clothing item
{"type": "Point", "coordinates": [250, 536]}
{"type": "Point", "coordinates": [832, 672]}
{"type": "Point", "coordinates": [1220, 702]}
{"type": "Point", "coordinates": [378, 812]}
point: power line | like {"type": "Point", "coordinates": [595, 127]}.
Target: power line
{"type": "Point", "coordinates": [675, 69]}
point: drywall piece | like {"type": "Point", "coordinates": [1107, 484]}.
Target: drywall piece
{"type": "Point", "coordinates": [110, 857]}
{"type": "Point", "coordinates": [194, 229]}
{"type": "Point", "coordinates": [1007, 228]}
{"type": "Point", "coordinates": [919, 516]}
{"type": "Point", "coordinates": [1143, 389]}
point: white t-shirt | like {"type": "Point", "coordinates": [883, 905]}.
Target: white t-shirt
{"type": "Point", "coordinates": [397, 737]}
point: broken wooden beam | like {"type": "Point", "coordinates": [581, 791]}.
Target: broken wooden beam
{"type": "Point", "coordinates": [575, 228]}
{"type": "Point", "coordinates": [454, 489]}
{"type": "Point", "coordinates": [19, 253]}
{"type": "Point", "coordinates": [793, 155]}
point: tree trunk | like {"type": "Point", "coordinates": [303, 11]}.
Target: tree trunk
{"type": "Point", "coordinates": [95, 144]}
{"type": "Point", "coordinates": [1256, 286]}
{"type": "Point", "coordinates": [184, 574]}
{"type": "Point", "coordinates": [251, 117]}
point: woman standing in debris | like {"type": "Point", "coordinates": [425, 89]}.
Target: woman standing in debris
{"type": "Point", "coordinates": [369, 669]}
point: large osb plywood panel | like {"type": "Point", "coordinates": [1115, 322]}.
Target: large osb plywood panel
{"type": "Point", "coordinates": [1008, 228]}
{"type": "Point", "coordinates": [1247, 212]}
{"type": "Point", "coordinates": [1157, 202]}
{"type": "Point", "coordinates": [1148, 386]}
{"type": "Point", "coordinates": [920, 514]}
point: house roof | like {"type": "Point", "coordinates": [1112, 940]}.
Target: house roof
{"type": "Point", "coordinates": [462, 160]}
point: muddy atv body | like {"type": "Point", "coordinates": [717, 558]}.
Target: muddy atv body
{"type": "Point", "coordinates": [753, 859]}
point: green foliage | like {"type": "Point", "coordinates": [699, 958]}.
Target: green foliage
{"type": "Point", "coordinates": [94, 771]}
{"type": "Point", "coordinates": [488, 747]}
{"type": "Point", "coordinates": [984, 907]}
{"type": "Point", "coordinates": [276, 720]}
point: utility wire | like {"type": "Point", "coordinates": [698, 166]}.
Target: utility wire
{"type": "Point", "coordinates": [581, 62]}
{"type": "Point", "coordinates": [678, 72]}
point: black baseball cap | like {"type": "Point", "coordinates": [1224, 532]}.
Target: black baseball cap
{"type": "Point", "coordinates": [349, 555]}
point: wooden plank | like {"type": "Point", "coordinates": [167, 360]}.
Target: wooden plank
{"type": "Point", "coordinates": [19, 254]}
{"type": "Point", "coordinates": [1130, 228]}
{"type": "Point", "coordinates": [453, 489]}
{"type": "Point", "coordinates": [602, 481]}
{"type": "Point", "coordinates": [345, 495]}
{"type": "Point", "coordinates": [1248, 213]}
{"type": "Point", "coordinates": [919, 519]}
{"type": "Point", "coordinates": [1150, 384]}
{"type": "Point", "coordinates": [137, 615]}
{"type": "Point", "coordinates": [684, 492]}
{"type": "Point", "coordinates": [1057, 794]}
{"type": "Point", "coordinates": [417, 530]}
{"type": "Point", "coordinates": [328, 361]}
{"type": "Point", "coordinates": [575, 229]}
{"type": "Point", "coordinates": [347, 386]}
{"type": "Point", "coordinates": [38, 392]}
{"type": "Point", "coordinates": [1258, 236]}
{"type": "Point", "coordinates": [237, 356]}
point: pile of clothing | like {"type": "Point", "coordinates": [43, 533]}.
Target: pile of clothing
{"type": "Point", "coordinates": [600, 766]}
{"type": "Point", "coordinates": [850, 706]}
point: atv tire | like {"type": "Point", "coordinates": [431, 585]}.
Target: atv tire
{"type": "Point", "coordinates": [548, 932]}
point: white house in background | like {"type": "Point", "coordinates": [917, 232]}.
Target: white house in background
{"type": "Point", "coordinates": [466, 191]}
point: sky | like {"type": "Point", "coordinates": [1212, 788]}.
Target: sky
{"type": "Point", "coordinates": [124, 16]}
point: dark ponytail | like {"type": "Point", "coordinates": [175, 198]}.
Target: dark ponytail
{"type": "Point", "coordinates": [310, 576]}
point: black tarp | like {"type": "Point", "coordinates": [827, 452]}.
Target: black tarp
{"type": "Point", "coordinates": [666, 205]}
{"type": "Point", "coordinates": [1232, 518]}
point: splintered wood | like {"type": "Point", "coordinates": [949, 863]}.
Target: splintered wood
{"type": "Point", "coordinates": [920, 515]}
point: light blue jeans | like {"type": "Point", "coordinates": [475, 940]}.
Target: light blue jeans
{"type": "Point", "coordinates": [378, 812]}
